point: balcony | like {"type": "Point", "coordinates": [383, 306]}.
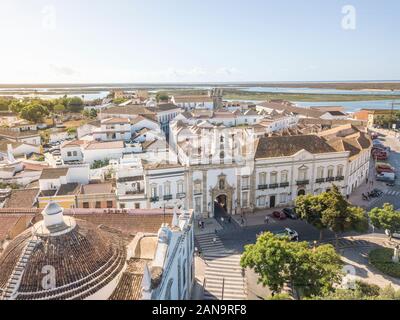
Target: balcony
{"type": "Point", "coordinates": [245, 187]}
{"type": "Point", "coordinates": [262, 187]}
{"type": "Point", "coordinates": [303, 182]}
{"type": "Point", "coordinates": [154, 199]}
{"type": "Point", "coordinates": [134, 192]}
{"type": "Point", "coordinates": [284, 184]}
{"type": "Point", "coordinates": [320, 180]}
{"type": "Point", "coordinates": [339, 178]}
{"type": "Point", "coordinates": [181, 195]}
{"type": "Point", "coordinates": [330, 179]}
{"type": "Point", "coordinates": [168, 197]}
{"type": "Point", "coordinates": [274, 185]}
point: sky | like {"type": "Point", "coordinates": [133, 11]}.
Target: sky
{"type": "Point", "coordinates": [103, 41]}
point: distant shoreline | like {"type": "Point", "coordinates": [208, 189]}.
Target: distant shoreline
{"type": "Point", "coordinates": [341, 85]}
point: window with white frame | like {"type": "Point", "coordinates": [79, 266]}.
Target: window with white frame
{"type": "Point", "coordinates": [303, 173]}
{"type": "Point", "coordinates": [330, 171]}
{"type": "Point", "coordinates": [179, 187]}
{"type": "Point", "coordinates": [167, 188]}
{"type": "Point", "coordinates": [274, 177]}
{"type": "Point", "coordinates": [245, 182]}
{"type": "Point", "coordinates": [284, 176]}
{"type": "Point", "coordinates": [245, 199]}
{"type": "Point", "coordinates": [283, 197]}
{"type": "Point", "coordinates": [262, 177]}
{"type": "Point", "coordinates": [340, 171]}
{"type": "Point", "coordinates": [320, 172]}
{"type": "Point", "coordinates": [262, 201]}
{"type": "Point", "coordinates": [153, 190]}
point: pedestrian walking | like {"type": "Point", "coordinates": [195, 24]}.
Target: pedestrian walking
{"type": "Point", "coordinates": [266, 220]}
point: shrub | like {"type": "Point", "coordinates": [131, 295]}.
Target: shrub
{"type": "Point", "coordinates": [382, 260]}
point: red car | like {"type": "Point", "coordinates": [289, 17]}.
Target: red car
{"type": "Point", "coordinates": [279, 215]}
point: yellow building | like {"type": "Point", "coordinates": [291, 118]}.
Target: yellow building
{"type": "Point", "coordinates": [65, 196]}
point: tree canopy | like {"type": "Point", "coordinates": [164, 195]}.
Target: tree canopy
{"type": "Point", "coordinates": [75, 104]}
{"type": "Point", "coordinates": [386, 218]}
{"type": "Point", "coordinates": [34, 112]}
{"type": "Point", "coordinates": [330, 210]}
{"type": "Point", "coordinates": [162, 97]}
{"type": "Point", "coordinates": [277, 261]}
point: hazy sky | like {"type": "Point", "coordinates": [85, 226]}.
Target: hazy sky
{"type": "Point", "coordinates": [198, 41]}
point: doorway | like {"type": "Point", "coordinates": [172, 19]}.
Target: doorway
{"type": "Point", "coordinates": [272, 201]}
{"type": "Point", "coordinates": [221, 202]}
{"type": "Point", "coordinates": [301, 192]}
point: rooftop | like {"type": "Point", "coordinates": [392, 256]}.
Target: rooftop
{"type": "Point", "coordinates": [270, 147]}
{"type": "Point", "coordinates": [97, 188]}
{"type": "Point", "coordinates": [53, 173]}
{"type": "Point", "coordinates": [69, 189]}
{"type": "Point", "coordinates": [94, 145]}
{"type": "Point", "coordinates": [24, 198]}
{"type": "Point", "coordinates": [116, 121]}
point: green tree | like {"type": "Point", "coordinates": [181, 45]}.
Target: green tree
{"type": "Point", "coordinates": [310, 209]}
{"type": "Point", "coordinates": [71, 131]}
{"type": "Point", "coordinates": [5, 104]}
{"type": "Point", "coordinates": [34, 112]}
{"type": "Point", "coordinates": [59, 108]}
{"type": "Point", "coordinates": [16, 106]}
{"type": "Point", "coordinates": [278, 262]}
{"type": "Point", "coordinates": [330, 210]}
{"type": "Point", "coordinates": [339, 216]}
{"type": "Point", "coordinates": [162, 97]}
{"type": "Point", "coordinates": [385, 218]}
{"type": "Point", "coordinates": [75, 104]}
{"type": "Point", "coordinates": [93, 113]}
{"type": "Point", "coordinates": [119, 100]}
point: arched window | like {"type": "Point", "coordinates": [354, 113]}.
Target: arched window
{"type": "Point", "coordinates": [221, 139]}
{"type": "Point", "coordinates": [222, 155]}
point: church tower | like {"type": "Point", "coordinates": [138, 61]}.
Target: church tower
{"type": "Point", "coordinates": [216, 95]}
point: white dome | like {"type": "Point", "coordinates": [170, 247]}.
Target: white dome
{"type": "Point", "coordinates": [52, 209]}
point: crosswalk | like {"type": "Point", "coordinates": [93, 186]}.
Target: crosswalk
{"type": "Point", "coordinates": [347, 243]}
{"type": "Point", "coordinates": [392, 193]}
{"type": "Point", "coordinates": [224, 277]}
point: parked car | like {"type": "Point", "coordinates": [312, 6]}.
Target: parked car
{"type": "Point", "coordinates": [291, 234]}
{"type": "Point", "coordinates": [395, 234]}
{"type": "Point", "coordinates": [279, 215]}
{"type": "Point", "coordinates": [290, 213]}
{"type": "Point", "coordinates": [389, 177]}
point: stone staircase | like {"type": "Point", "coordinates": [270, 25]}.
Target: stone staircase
{"type": "Point", "coordinates": [224, 277]}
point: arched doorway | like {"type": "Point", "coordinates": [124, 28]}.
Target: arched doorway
{"type": "Point", "coordinates": [301, 192]}
{"type": "Point", "coordinates": [221, 201]}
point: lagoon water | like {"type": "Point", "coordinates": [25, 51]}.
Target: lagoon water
{"type": "Point", "coordinates": [353, 106]}
{"type": "Point", "coordinates": [90, 93]}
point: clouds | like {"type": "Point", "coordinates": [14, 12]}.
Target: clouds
{"type": "Point", "coordinates": [63, 71]}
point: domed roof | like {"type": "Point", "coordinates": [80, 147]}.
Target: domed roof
{"type": "Point", "coordinates": [80, 261]}
{"type": "Point", "coordinates": [52, 209]}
